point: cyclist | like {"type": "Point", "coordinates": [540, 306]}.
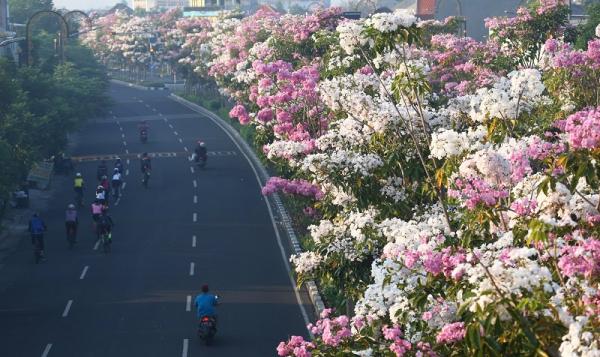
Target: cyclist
{"type": "Point", "coordinates": [146, 167]}
{"type": "Point", "coordinates": [116, 183]}
{"type": "Point", "coordinates": [71, 221]}
{"type": "Point", "coordinates": [105, 224]}
{"type": "Point", "coordinates": [102, 170]}
{"type": "Point", "coordinates": [96, 213]}
{"type": "Point", "coordinates": [37, 227]}
{"type": "Point", "coordinates": [119, 165]}
{"type": "Point", "coordinates": [106, 186]}
{"type": "Point", "coordinates": [101, 195]}
{"type": "Point", "coordinates": [78, 188]}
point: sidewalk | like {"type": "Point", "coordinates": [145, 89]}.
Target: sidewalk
{"type": "Point", "coordinates": [15, 223]}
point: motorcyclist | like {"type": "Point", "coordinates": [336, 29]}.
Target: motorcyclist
{"type": "Point", "coordinates": [200, 152]}
{"type": "Point", "coordinates": [116, 182]}
{"type": "Point", "coordinates": [71, 219]}
{"type": "Point", "coordinates": [205, 304]}
{"type": "Point", "coordinates": [119, 165]}
{"type": "Point", "coordinates": [102, 170]}
{"type": "Point", "coordinates": [37, 227]}
{"type": "Point", "coordinates": [143, 125]}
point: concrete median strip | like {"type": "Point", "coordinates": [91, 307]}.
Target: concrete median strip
{"type": "Point", "coordinates": [262, 176]}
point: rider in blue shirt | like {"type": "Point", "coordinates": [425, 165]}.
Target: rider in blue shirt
{"type": "Point", "coordinates": [205, 304]}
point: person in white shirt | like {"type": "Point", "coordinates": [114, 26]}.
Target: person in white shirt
{"type": "Point", "coordinates": [116, 183]}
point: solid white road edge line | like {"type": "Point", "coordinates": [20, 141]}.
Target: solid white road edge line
{"type": "Point", "coordinates": [67, 308]}
{"type": "Point", "coordinates": [85, 269]}
{"type": "Point", "coordinates": [192, 266]}
{"type": "Point", "coordinates": [188, 303]}
{"type": "Point", "coordinates": [193, 241]}
{"type": "Point", "coordinates": [47, 350]}
{"type": "Point", "coordinates": [184, 353]}
{"type": "Point", "coordinates": [277, 234]}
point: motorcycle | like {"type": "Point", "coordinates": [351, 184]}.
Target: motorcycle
{"type": "Point", "coordinates": [199, 160]}
{"type": "Point", "coordinates": [207, 328]}
{"type": "Point", "coordinates": [144, 136]}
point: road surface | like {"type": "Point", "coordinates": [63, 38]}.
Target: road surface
{"type": "Point", "coordinates": [188, 228]}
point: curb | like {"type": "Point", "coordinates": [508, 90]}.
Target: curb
{"type": "Point", "coordinates": [136, 86]}
{"type": "Point", "coordinates": [286, 221]}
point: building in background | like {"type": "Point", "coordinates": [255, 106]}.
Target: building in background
{"type": "Point", "coordinates": [157, 5]}
{"type": "Point", "coordinates": [7, 48]}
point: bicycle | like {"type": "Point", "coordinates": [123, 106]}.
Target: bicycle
{"type": "Point", "coordinates": [38, 248]}
{"type": "Point", "coordinates": [79, 198]}
{"type": "Point", "coordinates": [106, 241]}
{"type": "Point", "coordinates": [146, 178]}
{"type": "Point", "coordinates": [71, 235]}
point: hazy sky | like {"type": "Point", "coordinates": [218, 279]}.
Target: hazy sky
{"type": "Point", "coordinates": [84, 4]}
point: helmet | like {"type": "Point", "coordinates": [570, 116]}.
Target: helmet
{"type": "Point", "coordinates": [100, 187]}
{"type": "Point", "coordinates": [201, 144]}
{"type": "Point", "coordinates": [118, 159]}
{"type": "Point", "coordinates": [71, 206]}
{"type": "Point", "coordinates": [104, 177]}
{"type": "Point", "coordinates": [115, 170]}
{"type": "Point", "coordinates": [205, 288]}
{"type": "Point", "coordinates": [78, 174]}
{"type": "Point", "coordinates": [145, 154]}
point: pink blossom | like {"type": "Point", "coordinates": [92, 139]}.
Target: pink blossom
{"type": "Point", "coordinates": [451, 333]}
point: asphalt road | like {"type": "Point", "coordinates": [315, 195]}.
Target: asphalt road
{"type": "Point", "coordinates": [188, 228]}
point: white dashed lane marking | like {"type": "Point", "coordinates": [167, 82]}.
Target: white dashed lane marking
{"type": "Point", "coordinates": [195, 183]}
{"type": "Point", "coordinates": [67, 308]}
{"type": "Point", "coordinates": [85, 269]}
{"type": "Point", "coordinates": [47, 350]}
{"type": "Point", "coordinates": [192, 266]}
{"type": "Point", "coordinates": [184, 353]}
{"type": "Point", "coordinates": [195, 217]}
{"type": "Point", "coordinates": [188, 303]}
{"type": "Point", "coordinates": [193, 241]}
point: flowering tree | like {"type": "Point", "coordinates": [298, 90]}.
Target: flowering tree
{"type": "Point", "coordinates": [452, 185]}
